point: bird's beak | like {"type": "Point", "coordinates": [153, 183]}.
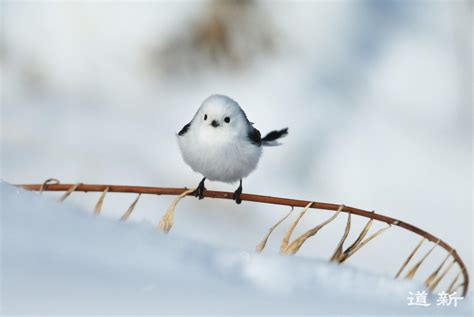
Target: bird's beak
{"type": "Point", "coordinates": [214, 123]}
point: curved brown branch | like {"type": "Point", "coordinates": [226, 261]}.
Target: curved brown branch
{"type": "Point", "coordinates": [258, 199]}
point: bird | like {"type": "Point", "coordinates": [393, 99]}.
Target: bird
{"type": "Point", "coordinates": [222, 144]}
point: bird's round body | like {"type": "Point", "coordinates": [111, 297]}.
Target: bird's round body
{"type": "Point", "coordinates": [220, 143]}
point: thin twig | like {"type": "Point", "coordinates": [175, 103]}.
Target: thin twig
{"type": "Point", "coordinates": [130, 209]}
{"type": "Point", "coordinates": [435, 273]}
{"type": "Point", "coordinates": [166, 221]}
{"type": "Point", "coordinates": [259, 248]}
{"type": "Point", "coordinates": [71, 188]}
{"type": "Point", "coordinates": [441, 276]}
{"type": "Point", "coordinates": [47, 182]}
{"type": "Point", "coordinates": [298, 242]}
{"type": "Point", "coordinates": [100, 202]}
{"type": "Point", "coordinates": [289, 232]}
{"type": "Point", "coordinates": [339, 249]}
{"type": "Point", "coordinates": [411, 273]}
{"type": "Point", "coordinates": [410, 257]}
{"type": "Point", "coordinates": [451, 288]}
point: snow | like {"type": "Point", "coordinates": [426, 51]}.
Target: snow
{"type": "Point", "coordinates": [59, 258]}
{"type": "Point", "coordinates": [376, 95]}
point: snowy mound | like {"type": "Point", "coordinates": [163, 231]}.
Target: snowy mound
{"type": "Point", "coordinates": [58, 258]}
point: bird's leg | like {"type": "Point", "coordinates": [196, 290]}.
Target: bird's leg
{"type": "Point", "coordinates": [200, 189]}
{"type": "Point", "coordinates": [237, 193]}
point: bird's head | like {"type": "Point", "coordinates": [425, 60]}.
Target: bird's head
{"type": "Point", "coordinates": [221, 115]}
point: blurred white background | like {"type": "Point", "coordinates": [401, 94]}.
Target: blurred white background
{"type": "Point", "coordinates": [376, 95]}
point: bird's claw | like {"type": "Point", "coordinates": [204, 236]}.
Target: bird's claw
{"type": "Point", "coordinates": [236, 195]}
{"type": "Point", "coordinates": [199, 192]}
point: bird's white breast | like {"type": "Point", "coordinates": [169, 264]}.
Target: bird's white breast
{"type": "Point", "coordinates": [226, 158]}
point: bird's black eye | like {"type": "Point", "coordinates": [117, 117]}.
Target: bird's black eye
{"type": "Point", "coordinates": [227, 119]}
{"type": "Point", "coordinates": [205, 117]}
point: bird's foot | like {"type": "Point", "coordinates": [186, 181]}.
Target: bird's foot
{"type": "Point", "coordinates": [236, 195]}
{"type": "Point", "coordinates": [199, 192]}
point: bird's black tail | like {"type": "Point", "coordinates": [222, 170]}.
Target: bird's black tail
{"type": "Point", "coordinates": [273, 136]}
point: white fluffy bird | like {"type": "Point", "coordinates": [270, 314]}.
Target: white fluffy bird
{"type": "Point", "coordinates": [221, 143]}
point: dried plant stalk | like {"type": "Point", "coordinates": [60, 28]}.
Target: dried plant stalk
{"type": "Point", "coordinates": [130, 209]}
{"type": "Point", "coordinates": [361, 236]}
{"type": "Point", "coordinates": [351, 252]}
{"type": "Point", "coordinates": [437, 280]}
{"type": "Point", "coordinates": [338, 252]}
{"type": "Point", "coordinates": [166, 221]}
{"type": "Point", "coordinates": [298, 242]}
{"type": "Point", "coordinates": [339, 255]}
{"type": "Point", "coordinates": [451, 288]}
{"type": "Point", "coordinates": [259, 248]}
{"type": "Point", "coordinates": [433, 275]}
{"type": "Point", "coordinates": [410, 257]}
{"type": "Point", "coordinates": [69, 191]}
{"type": "Point", "coordinates": [411, 273]}
{"type": "Point", "coordinates": [458, 286]}
{"type": "Point", "coordinates": [100, 202]}
{"type": "Point", "coordinates": [48, 182]}
{"type": "Point", "coordinates": [286, 237]}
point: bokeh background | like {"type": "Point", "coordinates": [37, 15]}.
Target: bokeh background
{"type": "Point", "coordinates": [376, 95]}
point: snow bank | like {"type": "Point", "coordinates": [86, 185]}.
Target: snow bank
{"type": "Point", "coordinates": [58, 258]}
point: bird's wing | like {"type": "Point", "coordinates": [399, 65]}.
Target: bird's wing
{"type": "Point", "coordinates": [254, 136]}
{"type": "Point", "coordinates": [184, 129]}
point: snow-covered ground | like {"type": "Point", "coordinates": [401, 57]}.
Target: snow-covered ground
{"type": "Point", "coordinates": [58, 258]}
{"type": "Point", "coordinates": [376, 94]}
